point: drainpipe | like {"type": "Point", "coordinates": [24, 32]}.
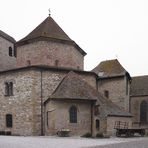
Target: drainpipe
{"type": "Point", "coordinates": [92, 104]}
{"type": "Point", "coordinates": [41, 97]}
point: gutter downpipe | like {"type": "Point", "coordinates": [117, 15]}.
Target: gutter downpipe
{"type": "Point", "coordinates": [92, 104]}
{"type": "Point", "coordinates": [41, 97]}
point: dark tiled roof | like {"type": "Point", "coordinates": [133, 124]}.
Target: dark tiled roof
{"type": "Point", "coordinates": [6, 36]}
{"type": "Point", "coordinates": [139, 86]}
{"type": "Point", "coordinates": [73, 87]}
{"type": "Point", "coordinates": [49, 30]}
{"type": "Point", "coordinates": [108, 108]}
{"type": "Point", "coordinates": [109, 68]}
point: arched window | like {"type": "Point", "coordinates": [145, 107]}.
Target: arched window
{"type": "Point", "coordinates": [9, 120]}
{"type": "Point", "coordinates": [10, 52]}
{"type": "Point", "coordinates": [73, 114]}
{"type": "Point", "coordinates": [97, 124]}
{"type": "Point", "coordinates": [143, 112]}
{"type": "Point", "coordinates": [8, 88]}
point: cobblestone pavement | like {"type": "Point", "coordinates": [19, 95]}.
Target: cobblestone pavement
{"type": "Point", "coordinates": [141, 143]}
{"type": "Point", "coordinates": [70, 142]}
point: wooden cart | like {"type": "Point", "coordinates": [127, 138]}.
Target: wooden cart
{"type": "Point", "coordinates": [123, 130]}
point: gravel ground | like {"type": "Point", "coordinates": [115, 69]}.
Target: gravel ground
{"type": "Point", "coordinates": [142, 143]}
{"type": "Point", "coordinates": [69, 142]}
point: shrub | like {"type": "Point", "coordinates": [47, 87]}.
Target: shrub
{"type": "Point", "coordinates": [87, 135]}
{"type": "Point", "coordinates": [2, 132]}
{"type": "Point", "coordinates": [100, 135]}
{"type": "Point", "coordinates": [8, 133]}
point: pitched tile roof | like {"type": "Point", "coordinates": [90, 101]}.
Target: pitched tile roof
{"type": "Point", "coordinates": [109, 68]}
{"type": "Point", "coordinates": [6, 36]}
{"type": "Point", "coordinates": [50, 30]}
{"type": "Point", "coordinates": [73, 87]}
{"type": "Point", "coordinates": [139, 86]}
{"type": "Point", "coordinates": [108, 108]}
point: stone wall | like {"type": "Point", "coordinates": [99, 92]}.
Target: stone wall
{"type": "Point", "coordinates": [103, 125]}
{"type": "Point", "coordinates": [6, 62]}
{"type": "Point", "coordinates": [135, 102]}
{"type": "Point", "coordinates": [25, 104]}
{"type": "Point", "coordinates": [117, 90]}
{"type": "Point", "coordinates": [58, 117]}
{"type": "Point", "coordinates": [49, 53]}
{"type": "Point", "coordinates": [22, 104]}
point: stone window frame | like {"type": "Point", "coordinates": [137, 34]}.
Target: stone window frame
{"type": "Point", "coordinates": [97, 124]}
{"type": "Point", "coordinates": [143, 112]}
{"type": "Point", "coordinates": [9, 120]}
{"type": "Point", "coordinates": [57, 63]}
{"type": "Point", "coordinates": [106, 93]}
{"type": "Point", "coordinates": [9, 88]}
{"type": "Point", "coordinates": [12, 52]}
{"type": "Point", "coordinates": [73, 111]}
{"type": "Point", "coordinates": [96, 110]}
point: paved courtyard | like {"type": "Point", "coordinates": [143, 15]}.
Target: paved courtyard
{"type": "Point", "coordinates": [69, 142]}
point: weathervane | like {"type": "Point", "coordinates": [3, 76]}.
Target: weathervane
{"type": "Point", "coordinates": [49, 11]}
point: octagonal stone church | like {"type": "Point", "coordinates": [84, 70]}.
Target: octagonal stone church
{"type": "Point", "coordinates": [44, 87]}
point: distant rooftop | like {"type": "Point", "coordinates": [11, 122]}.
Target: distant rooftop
{"type": "Point", "coordinates": [7, 37]}
{"type": "Point", "coordinates": [139, 86]}
{"type": "Point", "coordinates": [109, 68]}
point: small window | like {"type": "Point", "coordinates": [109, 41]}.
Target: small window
{"type": "Point", "coordinates": [9, 121]}
{"type": "Point", "coordinates": [10, 52]}
{"type": "Point", "coordinates": [28, 62]}
{"type": "Point", "coordinates": [6, 89]}
{"type": "Point", "coordinates": [9, 88]}
{"type": "Point", "coordinates": [56, 62]}
{"type": "Point", "coordinates": [73, 114]}
{"type": "Point", "coordinates": [106, 93]}
{"type": "Point", "coordinates": [96, 110]}
{"type": "Point", "coordinates": [97, 124]}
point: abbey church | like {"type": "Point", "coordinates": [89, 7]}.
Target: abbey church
{"type": "Point", "coordinates": [44, 87]}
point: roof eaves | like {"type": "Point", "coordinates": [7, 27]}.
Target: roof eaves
{"type": "Point", "coordinates": [122, 115]}
{"type": "Point", "coordinates": [7, 37]}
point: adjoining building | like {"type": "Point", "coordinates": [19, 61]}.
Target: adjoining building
{"type": "Point", "coordinates": [44, 87]}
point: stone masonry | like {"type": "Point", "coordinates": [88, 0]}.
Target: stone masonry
{"type": "Point", "coordinates": [117, 90]}
{"type": "Point", "coordinates": [6, 62]}
{"type": "Point", "coordinates": [51, 54]}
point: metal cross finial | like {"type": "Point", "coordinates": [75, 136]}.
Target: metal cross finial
{"type": "Point", "coordinates": [49, 11]}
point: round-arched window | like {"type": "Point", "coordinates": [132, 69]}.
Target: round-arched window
{"type": "Point", "coordinates": [73, 114]}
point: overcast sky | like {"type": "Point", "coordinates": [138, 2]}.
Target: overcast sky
{"type": "Point", "coordinates": [105, 29]}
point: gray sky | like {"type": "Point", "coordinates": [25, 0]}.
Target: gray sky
{"type": "Point", "coordinates": [105, 29]}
